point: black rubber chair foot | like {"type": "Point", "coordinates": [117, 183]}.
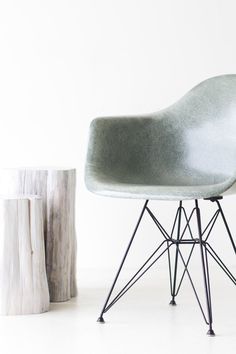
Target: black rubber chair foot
{"type": "Point", "coordinates": [172, 302]}
{"type": "Point", "coordinates": [100, 319]}
{"type": "Point", "coordinates": [211, 333]}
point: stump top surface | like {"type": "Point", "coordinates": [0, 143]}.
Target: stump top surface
{"type": "Point", "coordinates": [20, 197]}
{"type": "Point", "coordinates": [40, 168]}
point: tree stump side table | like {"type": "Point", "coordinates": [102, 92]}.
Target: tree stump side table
{"type": "Point", "coordinates": [23, 281]}
{"type": "Point", "coordinates": [57, 188]}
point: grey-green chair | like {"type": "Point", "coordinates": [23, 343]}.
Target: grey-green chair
{"type": "Point", "coordinates": [186, 151]}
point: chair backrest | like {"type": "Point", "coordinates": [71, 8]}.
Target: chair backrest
{"type": "Point", "coordinates": [205, 122]}
{"type": "Point", "coordinates": [191, 142]}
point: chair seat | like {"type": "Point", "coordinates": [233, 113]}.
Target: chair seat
{"type": "Point", "coordinates": [138, 189]}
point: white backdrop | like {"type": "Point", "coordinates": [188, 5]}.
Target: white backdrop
{"type": "Point", "coordinates": [64, 62]}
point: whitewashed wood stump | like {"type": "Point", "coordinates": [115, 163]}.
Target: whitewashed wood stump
{"type": "Point", "coordinates": [57, 188]}
{"type": "Point", "coordinates": [23, 281]}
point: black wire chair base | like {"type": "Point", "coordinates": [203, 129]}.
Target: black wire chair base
{"type": "Point", "coordinates": [177, 238]}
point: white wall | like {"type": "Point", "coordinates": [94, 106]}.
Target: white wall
{"type": "Point", "coordinates": [63, 63]}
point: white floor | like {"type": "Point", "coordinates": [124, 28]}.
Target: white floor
{"type": "Point", "coordinates": [142, 322]}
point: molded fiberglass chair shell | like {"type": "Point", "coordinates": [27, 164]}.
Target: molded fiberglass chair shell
{"type": "Point", "coordinates": [186, 151]}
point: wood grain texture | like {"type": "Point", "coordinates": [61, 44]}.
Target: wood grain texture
{"type": "Point", "coordinates": [57, 188]}
{"type": "Point", "coordinates": [23, 281]}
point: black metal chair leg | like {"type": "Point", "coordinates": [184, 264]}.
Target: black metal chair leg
{"type": "Point", "coordinates": [169, 240]}
{"type": "Point", "coordinates": [205, 271]}
{"type": "Point", "coordinates": [173, 287]}
{"type": "Point", "coordinates": [226, 226]}
{"type": "Point", "coordinates": [100, 318]}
